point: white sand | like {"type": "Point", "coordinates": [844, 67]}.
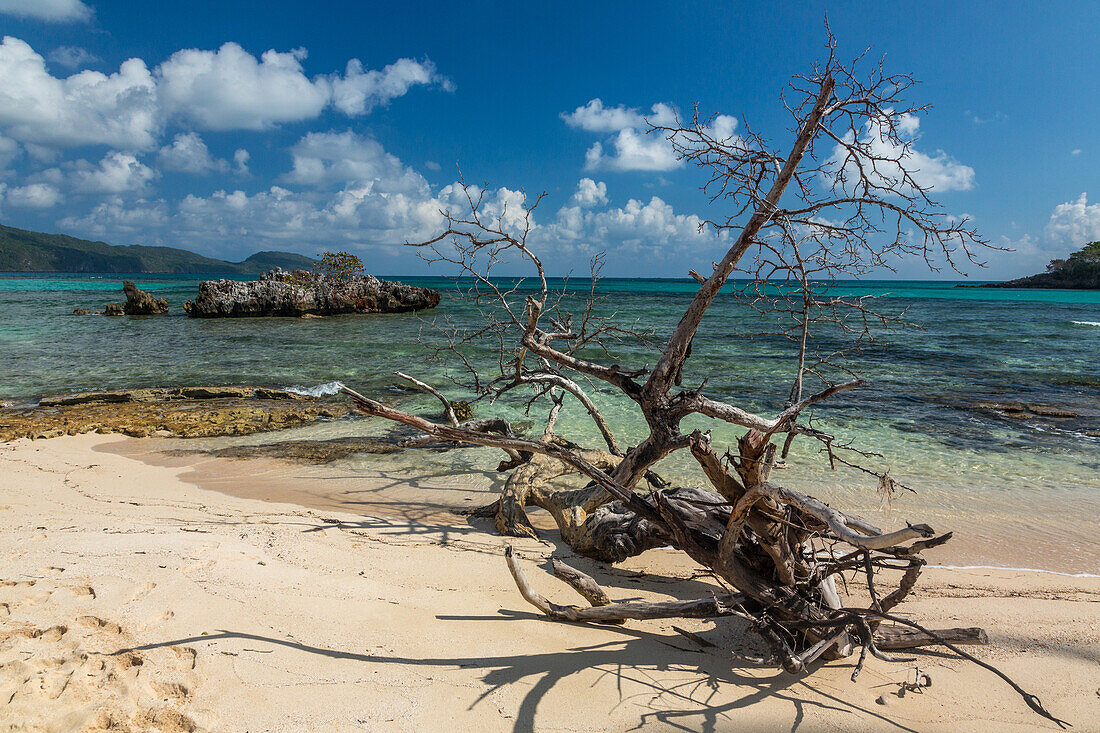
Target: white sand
{"type": "Point", "coordinates": [133, 600]}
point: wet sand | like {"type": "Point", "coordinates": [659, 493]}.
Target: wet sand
{"type": "Point", "coordinates": [429, 487]}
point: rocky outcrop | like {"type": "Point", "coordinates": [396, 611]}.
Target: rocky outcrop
{"type": "Point", "coordinates": [170, 394]}
{"type": "Point", "coordinates": [140, 303]}
{"type": "Point", "coordinates": [81, 312]}
{"type": "Point", "coordinates": [298, 293]}
{"type": "Point", "coordinates": [113, 309]}
{"type": "Point", "coordinates": [187, 412]}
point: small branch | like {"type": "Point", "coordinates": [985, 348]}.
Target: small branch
{"type": "Point", "coordinates": [580, 582]}
{"type": "Point", "coordinates": [448, 409]}
{"type": "Point", "coordinates": [842, 525]}
{"type": "Point", "coordinates": [703, 608]}
{"type": "Point", "coordinates": [888, 637]}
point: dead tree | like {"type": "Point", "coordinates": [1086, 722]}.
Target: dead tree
{"type": "Point", "coordinates": [843, 197]}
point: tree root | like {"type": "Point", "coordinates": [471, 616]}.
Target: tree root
{"type": "Point", "coordinates": [911, 636]}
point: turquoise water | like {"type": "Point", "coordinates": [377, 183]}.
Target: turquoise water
{"type": "Point", "coordinates": [972, 467]}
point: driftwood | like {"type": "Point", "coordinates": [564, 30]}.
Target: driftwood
{"type": "Point", "coordinates": [856, 200]}
{"type": "Point", "coordinates": [890, 637]}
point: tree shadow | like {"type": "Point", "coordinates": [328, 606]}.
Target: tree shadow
{"type": "Point", "coordinates": [635, 658]}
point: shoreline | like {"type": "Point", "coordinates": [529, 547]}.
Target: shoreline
{"type": "Point", "coordinates": [1019, 570]}
{"type": "Point", "coordinates": [135, 598]}
{"type": "Point", "coordinates": [291, 445]}
{"type": "Point", "coordinates": [419, 487]}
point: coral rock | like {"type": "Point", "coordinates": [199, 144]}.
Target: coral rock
{"type": "Point", "coordinates": [140, 303]}
{"type": "Point", "coordinates": [279, 293]}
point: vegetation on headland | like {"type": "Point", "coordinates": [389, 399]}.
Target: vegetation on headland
{"type": "Point", "coordinates": [1079, 271]}
{"type": "Point", "coordinates": [26, 251]}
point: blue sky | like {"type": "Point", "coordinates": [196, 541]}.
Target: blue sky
{"type": "Point", "coordinates": [232, 127]}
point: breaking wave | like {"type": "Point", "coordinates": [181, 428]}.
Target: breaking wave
{"type": "Point", "coordinates": [1087, 323]}
{"type": "Point", "coordinates": [319, 390]}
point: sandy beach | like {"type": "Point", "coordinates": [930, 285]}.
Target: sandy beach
{"type": "Point", "coordinates": [131, 599]}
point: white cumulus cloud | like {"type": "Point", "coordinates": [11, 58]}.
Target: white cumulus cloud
{"type": "Point", "coordinates": [590, 193]}
{"type": "Point", "coordinates": [327, 158]}
{"type": "Point", "coordinates": [9, 151]}
{"type": "Point", "coordinates": [630, 147]}
{"type": "Point", "coordinates": [34, 196]}
{"type": "Point", "coordinates": [88, 108]}
{"type": "Point", "coordinates": [937, 172]}
{"type": "Point", "coordinates": [230, 89]}
{"type": "Point", "coordinates": [117, 218]}
{"type": "Point", "coordinates": [359, 91]}
{"type": "Point", "coordinates": [596, 117]}
{"type": "Point", "coordinates": [188, 154]}
{"type": "Point", "coordinates": [72, 57]}
{"type": "Point", "coordinates": [223, 89]}
{"type": "Point", "coordinates": [355, 216]}
{"type": "Point", "coordinates": [48, 10]}
{"type": "Point", "coordinates": [240, 161]}
{"type": "Point", "coordinates": [1075, 223]}
{"type": "Point", "coordinates": [653, 227]}
{"type": "Point", "coordinates": [116, 173]}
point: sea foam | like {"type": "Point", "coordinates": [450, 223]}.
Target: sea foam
{"type": "Point", "coordinates": [1020, 570]}
{"type": "Point", "coordinates": [319, 390]}
{"type": "Point", "coordinates": [1087, 323]}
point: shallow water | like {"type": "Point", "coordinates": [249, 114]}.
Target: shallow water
{"type": "Point", "coordinates": [1026, 492]}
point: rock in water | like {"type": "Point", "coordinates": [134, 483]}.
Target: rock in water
{"type": "Point", "coordinates": [140, 303]}
{"type": "Point", "coordinates": [113, 309]}
{"type": "Point", "coordinates": [81, 312]}
{"type": "Point", "coordinates": [279, 293]}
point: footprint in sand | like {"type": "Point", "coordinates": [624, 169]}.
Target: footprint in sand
{"type": "Point", "coordinates": [54, 633]}
{"type": "Point", "coordinates": [142, 590]}
{"type": "Point", "coordinates": [160, 618]}
{"type": "Point", "coordinates": [94, 622]}
{"type": "Point", "coordinates": [128, 660]}
{"type": "Point", "coordinates": [24, 631]}
{"type": "Point", "coordinates": [165, 720]}
{"type": "Point", "coordinates": [186, 656]}
{"type": "Point", "coordinates": [174, 691]}
{"type": "Point", "coordinates": [53, 684]}
{"type": "Point", "coordinates": [60, 670]}
{"type": "Point", "coordinates": [17, 583]}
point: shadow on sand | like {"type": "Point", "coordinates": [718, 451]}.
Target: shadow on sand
{"type": "Point", "coordinates": [638, 657]}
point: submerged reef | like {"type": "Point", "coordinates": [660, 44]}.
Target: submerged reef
{"type": "Point", "coordinates": [185, 412]}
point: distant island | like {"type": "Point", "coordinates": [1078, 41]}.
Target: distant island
{"type": "Point", "coordinates": [26, 251]}
{"type": "Point", "coordinates": [1079, 271]}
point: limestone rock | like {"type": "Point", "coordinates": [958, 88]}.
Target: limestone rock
{"type": "Point", "coordinates": [81, 311]}
{"type": "Point", "coordinates": [140, 303]}
{"type": "Point", "coordinates": [113, 309]}
{"type": "Point", "coordinates": [279, 293]}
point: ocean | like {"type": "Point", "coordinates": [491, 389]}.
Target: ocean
{"type": "Point", "coordinates": [1018, 492]}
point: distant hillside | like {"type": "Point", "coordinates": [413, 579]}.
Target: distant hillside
{"type": "Point", "coordinates": [1079, 271]}
{"type": "Point", "coordinates": [24, 251]}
